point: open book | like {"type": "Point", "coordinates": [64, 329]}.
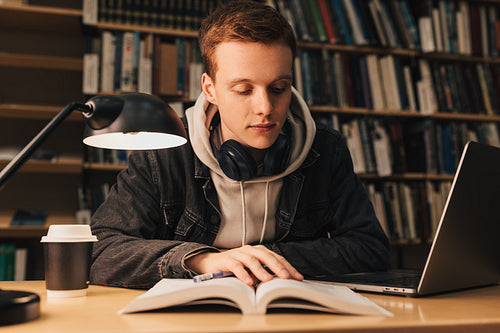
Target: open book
{"type": "Point", "coordinates": [277, 293]}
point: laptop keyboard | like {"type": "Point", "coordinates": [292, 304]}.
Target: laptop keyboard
{"type": "Point", "coordinates": [406, 281]}
{"type": "Point", "coordinates": [394, 278]}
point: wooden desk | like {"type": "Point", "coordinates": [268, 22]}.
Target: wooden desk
{"type": "Point", "coordinates": [475, 311]}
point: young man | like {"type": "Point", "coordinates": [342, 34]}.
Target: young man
{"type": "Point", "coordinates": [258, 190]}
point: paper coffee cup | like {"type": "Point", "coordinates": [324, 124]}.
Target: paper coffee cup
{"type": "Point", "coordinates": [67, 255]}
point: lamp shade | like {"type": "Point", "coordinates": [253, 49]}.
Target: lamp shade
{"type": "Point", "coordinates": [132, 121]}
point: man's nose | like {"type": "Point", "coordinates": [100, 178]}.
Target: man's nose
{"type": "Point", "coordinates": [263, 104]}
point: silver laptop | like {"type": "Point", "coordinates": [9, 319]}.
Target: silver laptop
{"type": "Point", "coordinates": [465, 252]}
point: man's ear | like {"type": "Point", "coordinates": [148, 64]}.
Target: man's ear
{"type": "Point", "coordinates": [208, 87]}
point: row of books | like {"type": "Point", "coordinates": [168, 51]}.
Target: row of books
{"type": "Point", "coordinates": [409, 210]}
{"type": "Point", "coordinates": [462, 27]}
{"type": "Point", "coordinates": [388, 82]}
{"type": "Point", "coordinates": [12, 263]}
{"type": "Point", "coordinates": [386, 146]}
{"type": "Point", "coordinates": [452, 26]}
{"type": "Point", "coordinates": [173, 14]}
{"type": "Point", "coordinates": [353, 22]}
{"type": "Point", "coordinates": [133, 62]}
{"type": "Point", "coordinates": [90, 198]}
{"type": "Point", "coordinates": [108, 156]}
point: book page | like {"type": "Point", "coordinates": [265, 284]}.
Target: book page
{"type": "Point", "coordinates": [278, 293]}
{"type": "Point", "coordinates": [176, 292]}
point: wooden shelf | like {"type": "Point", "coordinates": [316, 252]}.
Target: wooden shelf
{"type": "Point", "coordinates": [166, 98]}
{"type": "Point", "coordinates": [397, 52]}
{"type": "Point", "coordinates": [64, 166]}
{"type": "Point", "coordinates": [23, 232]}
{"type": "Point", "coordinates": [41, 62]}
{"type": "Point", "coordinates": [29, 111]}
{"type": "Point", "coordinates": [40, 18]}
{"type": "Point", "coordinates": [399, 113]}
{"type": "Point", "coordinates": [103, 166]}
{"type": "Point", "coordinates": [148, 29]}
{"type": "Point", "coordinates": [54, 217]}
{"type": "Point", "coordinates": [41, 10]}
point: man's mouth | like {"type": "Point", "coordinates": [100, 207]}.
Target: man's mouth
{"type": "Point", "coordinates": [262, 127]}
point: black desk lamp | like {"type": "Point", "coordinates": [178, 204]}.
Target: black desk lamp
{"type": "Point", "coordinates": [131, 121]}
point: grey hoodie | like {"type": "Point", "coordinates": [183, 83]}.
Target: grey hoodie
{"type": "Point", "coordinates": [248, 207]}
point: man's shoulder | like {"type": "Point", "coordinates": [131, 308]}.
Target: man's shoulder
{"type": "Point", "coordinates": [327, 136]}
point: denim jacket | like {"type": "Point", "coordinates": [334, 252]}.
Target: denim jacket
{"type": "Point", "coordinates": [164, 207]}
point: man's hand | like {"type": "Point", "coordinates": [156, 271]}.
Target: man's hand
{"type": "Point", "coordinates": [246, 263]}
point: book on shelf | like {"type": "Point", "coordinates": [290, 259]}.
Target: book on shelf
{"type": "Point", "coordinates": [168, 73]}
{"type": "Point", "coordinates": [389, 82]}
{"type": "Point", "coordinates": [354, 17]}
{"type": "Point", "coordinates": [107, 61]}
{"type": "Point", "coordinates": [145, 69]}
{"type": "Point", "coordinates": [117, 72]}
{"type": "Point", "coordinates": [90, 198]}
{"type": "Point", "coordinates": [106, 156]}
{"type": "Point", "coordinates": [317, 20]}
{"type": "Point", "coordinates": [13, 261]}
{"type": "Point", "coordinates": [90, 84]}
{"type": "Point", "coordinates": [29, 217]}
{"type": "Point", "coordinates": [182, 15]}
{"type": "Point", "coordinates": [129, 61]}
{"type": "Point", "coordinates": [455, 27]}
{"type": "Point", "coordinates": [353, 141]}
{"type": "Point", "coordinates": [376, 198]}
{"type": "Point", "coordinates": [277, 293]}
{"type": "Point", "coordinates": [382, 149]}
{"type": "Point", "coordinates": [391, 146]}
{"type": "Point", "coordinates": [409, 210]}
{"type": "Point", "coordinates": [90, 10]}
{"type": "Point", "coordinates": [326, 15]}
{"type": "Point", "coordinates": [127, 72]}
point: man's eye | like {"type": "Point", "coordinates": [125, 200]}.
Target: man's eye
{"type": "Point", "coordinates": [243, 92]}
{"type": "Point", "coordinates": [277, 90]}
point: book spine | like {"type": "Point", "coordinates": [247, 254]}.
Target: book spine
{"type": "Point", "coordinates": [341, 18]}
{"type": "Point", "coordinates": [376, 87]}
{"type": "Point", "coordinates": [127, 63]}
{"type": "Point", "coordinates": [327, 19]}
{"type": "Point", "coordinates": [296, 7]}
{"type": "Point", "coordinates": [118, 61]}
{"type": "Point", "coordinates": [20, 263]}
{"type": "Point", "coordinates": [107, 62]}
{"type": "Point", "coordinates": [357, 33]}
{"type": "Point", "coordinates": [317, 20]}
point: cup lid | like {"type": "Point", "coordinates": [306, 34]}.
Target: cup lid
{"type": "Point", "coordinates": [61, 233]}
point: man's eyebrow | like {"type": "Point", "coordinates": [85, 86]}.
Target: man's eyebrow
{"type": "Point", "coordinates": [243, 80]}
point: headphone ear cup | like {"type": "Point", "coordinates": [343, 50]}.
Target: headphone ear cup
{"type": "Point", "coordinates": [276, 158]}
{"type": "Point", "coordinates": [236, 162]}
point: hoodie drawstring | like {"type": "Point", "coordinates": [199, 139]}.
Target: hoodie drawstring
{"type": "Point", "coordinates": [244, 215]}
{"type": "Point", "coordinates": [264, 223]}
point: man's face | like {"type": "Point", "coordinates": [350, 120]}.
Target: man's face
{"type": "Point", "coordinates": [252, 89]}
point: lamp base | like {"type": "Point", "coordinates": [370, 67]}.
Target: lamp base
{"type": "Point", "coordinates": [18, 307]}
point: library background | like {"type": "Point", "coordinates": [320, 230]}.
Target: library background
{"type": "Point", "coordinates": [407, 82]}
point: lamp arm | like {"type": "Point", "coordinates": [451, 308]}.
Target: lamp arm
{"type": "Point", "coordinates": [28, 150]}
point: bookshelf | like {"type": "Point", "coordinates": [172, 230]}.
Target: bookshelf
{"type": "Point", "coordinates": [41, 63]}
{"type": "Point", "coordinates": [41, 54]}
{"type": "Point", "coordinates": [336, 114]}
{"type": "Point", "coordinates": [477, 52]}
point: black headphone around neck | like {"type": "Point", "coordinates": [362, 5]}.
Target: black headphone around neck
{"type": "Point", "coordinates": [237, 163]}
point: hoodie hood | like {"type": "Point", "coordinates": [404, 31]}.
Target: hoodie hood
{"type": "Point", "coordinates": [247, 208]}
{"type": "Point", "coordinates": [299, 117]}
